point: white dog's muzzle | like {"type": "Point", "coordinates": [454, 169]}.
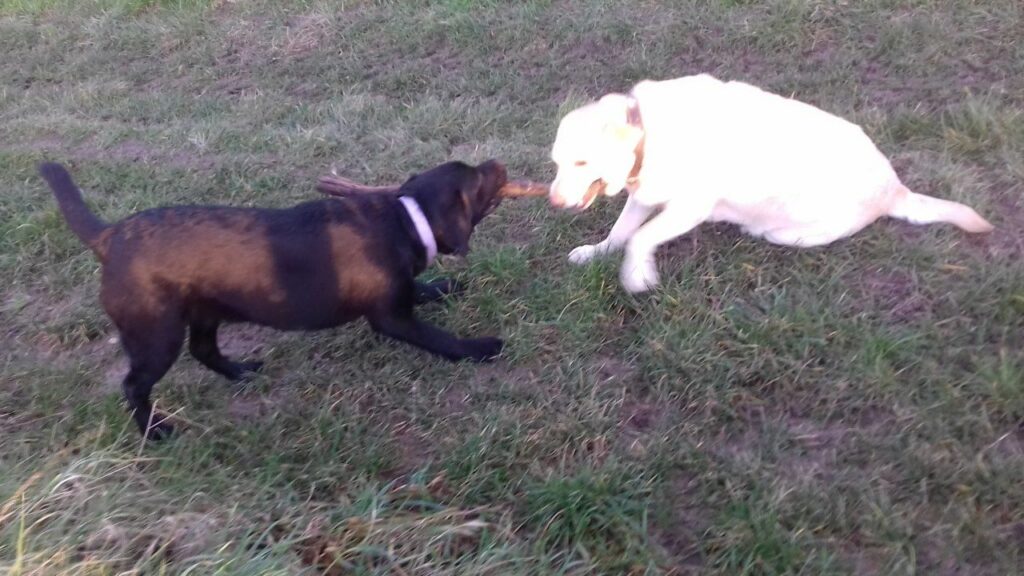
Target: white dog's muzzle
{"type": "Point", "coordinates": [576, 180]}
{"type": "Point", "coordinates": [595, 189]}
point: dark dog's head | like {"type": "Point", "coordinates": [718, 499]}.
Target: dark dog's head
{"type": "Point", "coordinates": [455, 197]}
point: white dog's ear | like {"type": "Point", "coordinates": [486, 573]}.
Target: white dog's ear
{"type": "Point", "coordinates": [616, 110]}
{"type": "Point", "coordinates": [624, 133]}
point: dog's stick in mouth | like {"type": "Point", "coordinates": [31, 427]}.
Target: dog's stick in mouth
{"type": "Point", "coordinates": [335, 185]}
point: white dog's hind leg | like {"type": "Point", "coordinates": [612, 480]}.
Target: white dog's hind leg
{"type": "Point", "coordinates": [639, 271]}
{"type": "Point", "coordinates": [633, 215]}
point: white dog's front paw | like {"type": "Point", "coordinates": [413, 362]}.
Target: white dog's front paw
{"type": "Point", "coordinates": [584, 254]}
{"type": "Point", "coordinates": [639, 275]}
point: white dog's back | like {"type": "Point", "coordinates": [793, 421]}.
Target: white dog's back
{"type": "Point", "coordinates": [779, 168]}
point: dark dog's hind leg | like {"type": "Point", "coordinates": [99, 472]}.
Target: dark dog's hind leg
{"type": "Point", "coordinates": [151, 349]}
{"type": "Point", "coordinates": [437, 290]}
{"type": "Point", "coordinates": [202, 344]}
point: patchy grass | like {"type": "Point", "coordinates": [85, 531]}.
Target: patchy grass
{"type": "Point", "coordinates": [90, 7]}
{"type": "Point", "coordinates": [855, 409]}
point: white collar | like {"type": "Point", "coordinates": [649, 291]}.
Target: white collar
{"type": "Point", "coordinates": [422, 226]}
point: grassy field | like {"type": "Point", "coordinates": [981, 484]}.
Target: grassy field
{"type": "Point", "coordinates": [857, 409]}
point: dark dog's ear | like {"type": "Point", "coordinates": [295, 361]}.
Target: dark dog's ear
{"type": "Point", "coordinates": [469, 193]}
{"type": "Point", "coordinates": [476, 199]}
{"type": "Point", "coordinates": [470, 208]}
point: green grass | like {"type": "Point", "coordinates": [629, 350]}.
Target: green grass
{"type": "Point", "coordinates": [854, 409]}
{"type": "Point", "coordinates": [118, 7]}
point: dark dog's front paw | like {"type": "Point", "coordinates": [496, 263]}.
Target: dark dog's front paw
{"type": "Point", "coordinates": [484, 349]}
{"type": "Point", "coordinates": [160, 429]}
{"type": "Point", "coordinates": [249, 368]}
{"type": "Point", "coordinates": [437, 290]}
{"type": "Point", "coordinates": [242, 370]}
{"type": "Point", "coordinates": [453, 287]}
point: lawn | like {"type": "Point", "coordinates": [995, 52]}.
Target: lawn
{"type": "Point", "coordinates": [853, 409]}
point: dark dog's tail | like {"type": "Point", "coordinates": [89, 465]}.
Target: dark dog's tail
{"type": "Point", "coordinates": [80, 219]}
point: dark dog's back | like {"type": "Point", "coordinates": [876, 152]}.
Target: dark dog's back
{"type": "Point", "coordinates": [310, 266]}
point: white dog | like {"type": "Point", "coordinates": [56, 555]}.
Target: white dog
{"type": "Point", "coordinates": [697, 149]}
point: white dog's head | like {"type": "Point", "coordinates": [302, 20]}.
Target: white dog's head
{"type": "Point", "coordinates": [595, 150]}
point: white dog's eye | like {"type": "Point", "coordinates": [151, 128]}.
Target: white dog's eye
{"type": "Point", "coordinates": [580, 163]}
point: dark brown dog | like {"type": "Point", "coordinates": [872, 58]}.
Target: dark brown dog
{"type": "Point", "coordinates": [313, 266]}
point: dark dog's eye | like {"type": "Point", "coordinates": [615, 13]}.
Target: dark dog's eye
{"type": "Point", "coordinates": [580, 163]}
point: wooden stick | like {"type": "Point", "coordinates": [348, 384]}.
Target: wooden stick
{"type": "Point", "coordinates": [523, 189]}
{"type": "Point", "coordinates": [337, 186]}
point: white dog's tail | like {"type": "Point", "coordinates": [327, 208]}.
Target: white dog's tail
{"type": "Point", "coordinates": [921, 209]}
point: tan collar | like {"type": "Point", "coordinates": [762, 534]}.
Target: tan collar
{"type": "Point", "coordinates": [634, 119]}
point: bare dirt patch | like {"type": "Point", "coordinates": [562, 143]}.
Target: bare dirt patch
{"type": "Point", "coordinates": [244, 341]}
{"type": "Point", "coordinates": [1007, 240]}
{"type": "Point", "coordinates": [610, 370]}
{"type": "Point", "coordinates": [305, 33]}
{"type": "Point", "coordinates": [802, 451]}
{"type": "Point", "coordinates": [893, 292]}
{"type": "Point", "coordinates": [639, 422]}
{"type": "Point", "coordinates": [681, 532]}
{"type": "Point", "coordinates": [486, 375]}
{"type": "Point", "coordinates": [413, 447]}
{"type": "Point", "coordinates": [178, 536]}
